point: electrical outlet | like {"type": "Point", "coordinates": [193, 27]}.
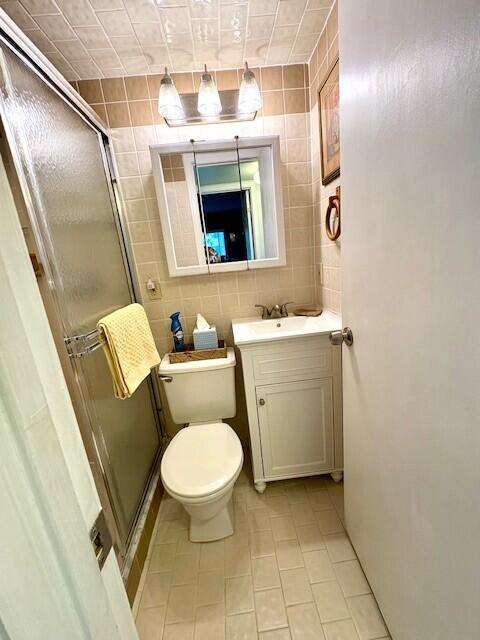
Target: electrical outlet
{"type": "Point", "coordinates": [154, 291]}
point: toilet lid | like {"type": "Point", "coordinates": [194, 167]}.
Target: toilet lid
{"type": "Point", "coordinates": [201, 459]}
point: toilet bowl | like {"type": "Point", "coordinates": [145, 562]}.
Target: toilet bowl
{"type": "Point", "coordinates": [199, 470]}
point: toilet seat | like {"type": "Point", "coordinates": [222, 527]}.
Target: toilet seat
{"type": "Point", "coordinates": [202, 461]}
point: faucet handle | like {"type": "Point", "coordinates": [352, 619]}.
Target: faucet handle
{"type": "Point", "coordinates": [284, 310]}
{"type": "Point", "coordinates": [265, 312]}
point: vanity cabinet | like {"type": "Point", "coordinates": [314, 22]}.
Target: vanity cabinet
{"type": "Point", "coordinates": [293, 395]}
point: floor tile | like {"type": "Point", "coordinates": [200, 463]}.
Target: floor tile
{"type": "Point", "coordinates": [319, 500]}
{"type": "Point", "coordinates": [367, 617]}
{"type": "Point", "coordinates": [330, 602]}
{"type": "Point", "coordinates": [210, 623]}
{"type": "Point", "coordinates": [276, 634]}
{"type": "Point", "coordinates": [343, 630]}
{"type": "Point", "coordinates": [238, 562]}
{"type": "Point", "coordinates": [163, 557]}
{"type": "Point", "coordinates": [211, 587]}
{"type": "Point", "coordinates": [339, 547]}
{"type": "Point", "coordinates": [212, 556]}
{"type": "Point", "coordinates": [277, 505]}
{"type": "Point", "coordinates": [310, 537]}
{"type": "Point", "coordinates": [329, 522]}
{"type": "Point", "coordinates": [178, 631]}
{"type": "Point", "coordinates": [265, 573]}
{"type": "Point", "coordinates": [283, 562]}
{"type": "Point", "coordinates": [150, 623]}
{"type": "Point", "coordinates": [261, 544]}
{"type": "Point", "coordinates": [289, 555]}
{"type": "Point", "coordinates": [302, 513]}
{"type": "Point", "coordinates": [296, 586]}
{"type": "Point", "coordinates": [258, 519]}
{"type": "Point", "coordinates": [243, 626]}
{"type": "Point", "coordinates": [351, 578]}
{"type": "Point", "coordinates": [270, 609]}
{"type": "Point", "coordinates": [304, 622]}
{"type": "Point", "coordinates": [282, 528]}
{"type": "Point", "coordinates": [181, 603]}
{"type": "Point", "coordinates": [318, 565]}
{"type": "Point", "coordinates": [239, 595]}
{"type": "Point", "coordinates": [185, 570]}
{"type": "Point", "coordinates": [156, 589]}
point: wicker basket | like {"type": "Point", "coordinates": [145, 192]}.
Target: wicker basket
{"type": "Point", "coordinates": [190, 355]}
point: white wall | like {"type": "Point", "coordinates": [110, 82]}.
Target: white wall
{"type": "Point", "coordinates": [410, 114]}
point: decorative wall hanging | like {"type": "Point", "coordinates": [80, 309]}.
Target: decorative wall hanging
{"type": "Point", "coordinates": [328, 102]}
{"type": "Point", "coordinates": [332, 217]}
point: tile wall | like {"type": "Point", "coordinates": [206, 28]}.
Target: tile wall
{"type": "Point", "coordinates": [128, 105]}
{"type": "Point", "coordinates": [327, 253]}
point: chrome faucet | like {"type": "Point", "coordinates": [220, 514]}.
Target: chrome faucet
{"type": "Point", "coordinates": [277, 311]}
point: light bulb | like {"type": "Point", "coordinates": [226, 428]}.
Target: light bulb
{"type": "Point", "coordinates": [169, 104]}
{"type": "Point", "coordinates": [209, 104]}
{"type": "Point", "coordinates": [249, 97]}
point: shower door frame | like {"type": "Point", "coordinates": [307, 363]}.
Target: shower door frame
{"type": "Point", "coordinates": [14, 39]}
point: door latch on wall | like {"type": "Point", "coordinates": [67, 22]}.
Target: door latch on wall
{"type": "Point", "coordinates": [101, 539]}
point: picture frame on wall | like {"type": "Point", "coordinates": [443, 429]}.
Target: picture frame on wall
{"type": "Point", "coordinates": [329, 103]}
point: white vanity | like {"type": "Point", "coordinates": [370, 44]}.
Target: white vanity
{"type": "Point", "coordinates": [293, 385]}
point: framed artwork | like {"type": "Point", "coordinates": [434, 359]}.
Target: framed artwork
{"type": "Point", "coordinates": [328, 101]}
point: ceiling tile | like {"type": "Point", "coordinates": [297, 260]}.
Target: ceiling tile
{"type": "Point", "coordinates": [103, 37]}
{"type": "Point", "coordinates": [78, 13]}
{"type": "Point", "coordinates": [72, 49]}
{"type": "Point", "coordinates": [92, 37]}
{"type": "Point", "coordinates": [260, 27]}
{"type": "Point", "coordinates": [19, 15]}
{"type": "Point", "coordinates": [55, 27]}
{"type": "Point", "coordinates": [233, 17]}
{"type": "Point", "coordinates": [290, 12]}
{"type": "Point", "coordinates": [175, 20]}
{"type": "Point", "coordinates": [40, 7]}
{"type": "Point", "coordinates": [149, 34]}
{"type": "Point", "coordinates": [115, 23]}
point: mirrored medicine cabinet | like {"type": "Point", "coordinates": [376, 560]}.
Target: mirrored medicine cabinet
{"type": "Point", "coordinates": [220, 204]}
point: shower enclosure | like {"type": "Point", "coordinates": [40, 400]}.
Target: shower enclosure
{"type": "Point", "coordinates": [58, 159]}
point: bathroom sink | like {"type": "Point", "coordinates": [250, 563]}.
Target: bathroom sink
{"type": "Point", "coordinates": [252, 330]}
{"type": "Point", "coordinates": [279, 325]}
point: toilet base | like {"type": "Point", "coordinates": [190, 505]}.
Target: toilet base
{"type": "Point", "coordinates": [215, 528]}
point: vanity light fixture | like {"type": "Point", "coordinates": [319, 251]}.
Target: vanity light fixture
{"type": "Point", "coordinates": [249, 97]}
{"type": "Point", "coordinates": [209, 104]}
{"type": "Point", "coordinates": [169, 104]}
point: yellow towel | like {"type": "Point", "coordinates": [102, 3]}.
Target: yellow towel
{"type": "Point", "coordinates": [130, 349]}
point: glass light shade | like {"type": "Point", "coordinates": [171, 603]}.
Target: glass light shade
{"type": "Point", "coordinates": [209, 104]}
{"type": "Point", "coordinates": [169, 104]}
{"type": "Point", "coordinates": [249, 97]}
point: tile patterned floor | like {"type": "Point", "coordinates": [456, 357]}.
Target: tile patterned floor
{"type": "Point", "coordinates": [289, 572]}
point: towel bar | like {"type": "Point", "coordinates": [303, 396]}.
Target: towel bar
{"type": "Point", "coordinates": [84, 343]}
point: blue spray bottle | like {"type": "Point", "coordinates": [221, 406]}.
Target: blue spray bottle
{"type": "Point", "coordinates": [177, 331]}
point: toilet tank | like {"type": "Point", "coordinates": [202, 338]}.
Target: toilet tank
{"type": "Point", "coordinates": [201, 390]}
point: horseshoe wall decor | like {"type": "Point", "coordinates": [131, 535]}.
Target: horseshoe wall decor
{"type": "Point", "coordinates": [332, 217]}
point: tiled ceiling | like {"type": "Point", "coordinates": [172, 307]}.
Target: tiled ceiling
{"type": "Point", "coordinates": [106, 38]}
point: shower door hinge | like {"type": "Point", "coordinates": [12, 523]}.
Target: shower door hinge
{"type": "Point", "coordinates": [101, 539]}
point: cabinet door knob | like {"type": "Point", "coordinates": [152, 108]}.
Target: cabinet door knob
{"type": "Point", "coordinates": [261, 402]}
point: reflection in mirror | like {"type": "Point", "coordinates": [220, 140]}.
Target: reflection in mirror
{"type": "Point", "coordinates": [220, 206]}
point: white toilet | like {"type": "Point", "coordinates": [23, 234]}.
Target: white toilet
{"type": "Point", "coordinates": [203, 460]}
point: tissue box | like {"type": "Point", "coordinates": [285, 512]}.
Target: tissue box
{"type": "Point", "coordinates": [205, 338]}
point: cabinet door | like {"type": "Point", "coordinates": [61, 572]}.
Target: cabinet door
{"type": "Point", "coordinates": [296, 427]}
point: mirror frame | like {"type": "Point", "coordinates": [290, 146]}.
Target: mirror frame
{"type": "Point", "coordinates": [156, 152]}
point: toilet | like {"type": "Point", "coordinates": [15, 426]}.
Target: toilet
{"type": "Point", "coordinates": [202, 462]}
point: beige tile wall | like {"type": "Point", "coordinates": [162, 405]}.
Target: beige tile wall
{"type": "Point", "coordinates": [219, 297]}
{"type": "Point", "coordinates": [327, 253]}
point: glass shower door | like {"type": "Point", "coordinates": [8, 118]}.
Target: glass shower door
{"type": "Point", "coordinates": [60, 157]}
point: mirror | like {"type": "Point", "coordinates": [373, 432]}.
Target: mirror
{"type": "Point", "coordinates": [220, 206]}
